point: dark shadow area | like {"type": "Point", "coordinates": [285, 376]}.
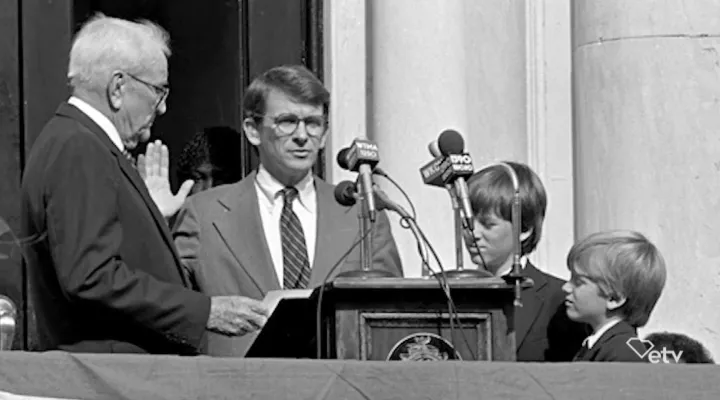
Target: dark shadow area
{"type": "Point", "coordinates": [204, 67]}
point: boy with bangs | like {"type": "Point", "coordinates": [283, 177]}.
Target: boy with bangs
{"type": "Point", "coordinates": [617, 278]}
{"type": "Point", "coordinates": [543, 331]}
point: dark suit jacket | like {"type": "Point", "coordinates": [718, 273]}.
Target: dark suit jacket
{"type": "Point", "coordinates": [543, 331]}
{"type": "Point", "coordinates": [107, 277]}
{"type": "Point", "coordinates": [613, 346]}
{"type": "Point", "coordinates": [220, 238]}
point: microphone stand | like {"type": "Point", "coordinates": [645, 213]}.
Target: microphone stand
{"type": "Point", "coordinates": [515, 277]}
{"type": "Point", "coordinates": [461, 272]}
{"type": "Point", "coordinates": [459, 259]}
{"type": "Point", "coordinates": [366, 242]}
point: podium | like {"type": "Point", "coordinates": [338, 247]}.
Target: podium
{"type": "Point", "coordinates": [404, 319]}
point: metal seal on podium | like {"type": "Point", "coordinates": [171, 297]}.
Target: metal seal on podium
{"type": "Point", "coordinates": [423, 347]}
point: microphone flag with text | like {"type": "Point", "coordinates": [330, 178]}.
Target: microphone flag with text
{"type": "Point", "coordinates": [361, 157]}
{"type": "Point", "coordinates": [449, 169]}
{"type": "Point", "coordinates": [451, 166]}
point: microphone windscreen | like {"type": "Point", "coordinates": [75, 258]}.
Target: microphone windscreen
{"type": "Point", "coordinates": [434, 149]}
{"type": "Point", "coordinates": [342, 158]}
{"type": "Point", "coordinates": [450, 142]}
{"type": "Point", "coordinates": [345, 193]}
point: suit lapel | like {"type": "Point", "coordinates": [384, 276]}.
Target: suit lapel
{"type": "Point", "coordinates": [335, 232]}
{"type": "Point", "coordinates": [241, 229]}
{"type": "Point", "coordinates": [532, 300]}
{"type": "Point", "coordinates": [131, 174]}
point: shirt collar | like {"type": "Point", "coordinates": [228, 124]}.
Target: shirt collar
{"type": "Point", "coordinates": [271, 187]}
{"type": "Point", "coordinates": [592, 339]}
{"type": "Point", "coordinates": [103, 122]}
{"type": "Point", "coordinates": [506, 270]}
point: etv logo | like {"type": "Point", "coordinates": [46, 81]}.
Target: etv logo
{"type": "Point", "coordinates": [654, 356]}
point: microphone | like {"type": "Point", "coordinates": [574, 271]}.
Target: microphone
{"type": "Point", "coordinates": [341, 158]}
{"type": "Point", "coordinates": [458, 167]}
{"type": "Point", "coordinates": [346, 195]}
{"type": "Point", "coordinates": [432, 172]}
{"type": "Point", "coordinates": [515, 276]}
{"type": "Point", "coordinates": [449, 142]}
{"type": "Point", "coordinates": [362, 156]}
{"type": "Point", "coordinates": [448, 170]}
{"type": "Point", "coordinates": [452, 145]}
{"type": "Point", "coordinates": [8, 314]}
{"type": "Point", "coordinates": [450, 167]}
{"type": "Point", "coordinates": [434, 149]}
{"type": "Point", "coordinates": [436, 172]}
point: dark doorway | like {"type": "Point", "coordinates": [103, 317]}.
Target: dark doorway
{"type": "Point", "coordinates": [218, 47]}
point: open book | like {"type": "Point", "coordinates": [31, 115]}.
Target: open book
{"type": "Point", "coordinates": [273, 297]}
{"type": "Point", "coordinates": [286, 329]}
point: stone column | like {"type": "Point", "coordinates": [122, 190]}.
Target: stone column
{"type": "Point", "coordinates": [439, 64]}
{"type": "Point", "coordinates": [647, 114]}
{"type": "Point", "coordinates": [345, 76]}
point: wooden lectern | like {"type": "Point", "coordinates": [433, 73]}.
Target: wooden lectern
{"type": "Point", "coordinates": [395, 319]}
{"type": "Point", "coordinates": [399, 319]}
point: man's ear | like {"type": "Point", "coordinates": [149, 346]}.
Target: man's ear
{"type": "Point", "coordinates": [615, 302]}
{"type": "Point", "coordinates": [251, 131]}
{"type": "Point", "coordinates": [115, 90]}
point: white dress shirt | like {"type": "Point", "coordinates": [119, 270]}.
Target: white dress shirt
{"type": "Point", "coordinates": [508, 268]}
{"type": "Point", "coordinates": [271, 202]}
{"type": "Point", "coordinates": [100, 119]}
{"type": "Point", "coordinates": [592, 339]}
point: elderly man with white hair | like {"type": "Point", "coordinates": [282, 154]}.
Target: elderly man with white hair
{"type": "Point", "coordinates": [107, 277]}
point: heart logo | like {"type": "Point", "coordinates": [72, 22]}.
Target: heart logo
{"type": "Point", "coordinates": [641, 347]}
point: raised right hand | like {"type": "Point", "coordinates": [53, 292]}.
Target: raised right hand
{"type": "Point", "coordinates": [236, 315]}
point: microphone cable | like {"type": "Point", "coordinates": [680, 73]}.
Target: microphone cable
{"type": "Point", "coordinates": [442, 277]}
{"type": "Point", "coordinates": [318, 311]}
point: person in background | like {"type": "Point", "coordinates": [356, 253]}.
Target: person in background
{"type": "Point", "coordinates": [211, 159]}
{"type": "Point", "coordinates": [686, 349]}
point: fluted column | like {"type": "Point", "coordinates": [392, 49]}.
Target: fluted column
{"type": "Point", "coordinates": [647, 114]}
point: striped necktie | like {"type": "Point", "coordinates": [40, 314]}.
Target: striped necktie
{"type": "Point", "coordinates": [296, 270]}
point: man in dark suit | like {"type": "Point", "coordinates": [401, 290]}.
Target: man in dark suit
{"type": "Point", "coordinates": [543, 331]}
{"type": "Point", "coordinates": [280, 227]}
{"type": "Point", "coordinates": [107, 277]}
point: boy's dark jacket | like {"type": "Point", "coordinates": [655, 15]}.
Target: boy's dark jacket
{"type": "Point", "coordinates": [613, 346]}
{"type": "Point", "coordinates": [543, 331]}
